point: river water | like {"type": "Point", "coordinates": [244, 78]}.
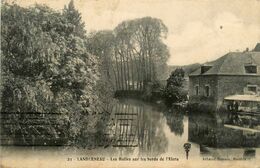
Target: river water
{"type": "Point", "coordinates": [139, 129]}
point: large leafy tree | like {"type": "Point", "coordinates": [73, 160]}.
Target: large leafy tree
{"type": "Point", "coordinates": [134, 51]}
{"type": "Point", "coordinates": [47, 69]}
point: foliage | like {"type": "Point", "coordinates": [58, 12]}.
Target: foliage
{"type": "Point", "coordinates": [74, 18]}
{"type": "Point", "coordinates": [47, 69]}
{"type": "Point", "coordinates": [133, 54]}
{"type": "Point", "coordinates": [50, 67]}
{"type": "Point", "coordinates": [141, 54]}
{"type": "Point", "coordinates": [173, 92]}
{"type": "Point", "coordinates": [100, 44]}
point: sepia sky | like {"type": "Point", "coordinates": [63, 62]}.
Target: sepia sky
{"type": "Point", "coordinates": [199, 30]}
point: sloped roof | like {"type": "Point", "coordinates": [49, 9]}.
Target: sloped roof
{"type": "Point", "coordinates": [231, 64]}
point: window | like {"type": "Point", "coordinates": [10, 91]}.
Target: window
{"type": "Point", "coordinates": [251, 69]}
{"type": "Point", "coordinates": [205, 68]}
{"type": "Point", "coordinates": [252, 88]}
{"type": "Point", "coordinates": [207, 90]}
{"type": "Point", "coordinates": [197, 90]}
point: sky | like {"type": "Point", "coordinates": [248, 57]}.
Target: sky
{"type": "Point", "coordinates": [199, 30]}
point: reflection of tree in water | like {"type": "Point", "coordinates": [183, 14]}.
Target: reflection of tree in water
{"type": "Point", "coordinates": [202, 129]}
{"type": "Point", "coordinates": [152, 140]}
{"type": "Point", "coordinates": [174, 119]}
{"type": "Point", "coordinates": [207, 130]}
{"type": "Point", "coordinates": [138, 127]}
{"type": "Point", "coordinates": [217, 140]}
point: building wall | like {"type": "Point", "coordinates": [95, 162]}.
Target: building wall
{"type": "Point", "coordinates": [202, 81]}
{"type": "Point", "coordinates": [230, 85]}
{"type": "Point", "coordinates": [220, 87]}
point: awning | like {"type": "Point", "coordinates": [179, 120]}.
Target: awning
{"type": "Point", "coordinates": [251, 98]}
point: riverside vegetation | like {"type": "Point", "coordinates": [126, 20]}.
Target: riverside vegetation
{"type": "Point", "coordinates": [51, 65]}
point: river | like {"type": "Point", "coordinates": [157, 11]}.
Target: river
{"type": "Point", "coordinates": [139, 129]}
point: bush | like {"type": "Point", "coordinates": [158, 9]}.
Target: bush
{"type": "Point", "coordinates": [174, 92]}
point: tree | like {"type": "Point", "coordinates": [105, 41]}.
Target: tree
{"type": "Point", "coordinates": [176, 78]}
{"type": "Point", "coordinates": [133, 54]}
{"type": "Point", "coordinates": [173, 92]}
{"type": "Point", "coordinates": [141, 51]}
{"type": "Point", "coordinates": [101, 44]}
{"type": "Point", "coordinates": [47, 69]}
{"type": "Point", "coordinates": [74, 18]}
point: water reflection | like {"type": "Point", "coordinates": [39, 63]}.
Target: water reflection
{"type": "Point", "coordinates": [207, 130]}
{"type": "Point", "coordinates": [217, 139]}
{"type": "Point", "coordinates": [141, 129]}
{"type": "Point", "coordinates": [138, 127]}
{"type": "Point", "coordinates": [174, 119]}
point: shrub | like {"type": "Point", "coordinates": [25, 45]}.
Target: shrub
{"type": "Point", "coordinates": [174, 92]}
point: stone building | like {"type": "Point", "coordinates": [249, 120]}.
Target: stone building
{"type": "Point", "coordinates": [231, 74]}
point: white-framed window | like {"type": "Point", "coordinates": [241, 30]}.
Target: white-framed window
{"type": "Point", "coordinates": [252, 88]}
{"type": "Point", "coordinates": [197, 91]}
{"type": "Point", "coordinates": [207, 90]}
